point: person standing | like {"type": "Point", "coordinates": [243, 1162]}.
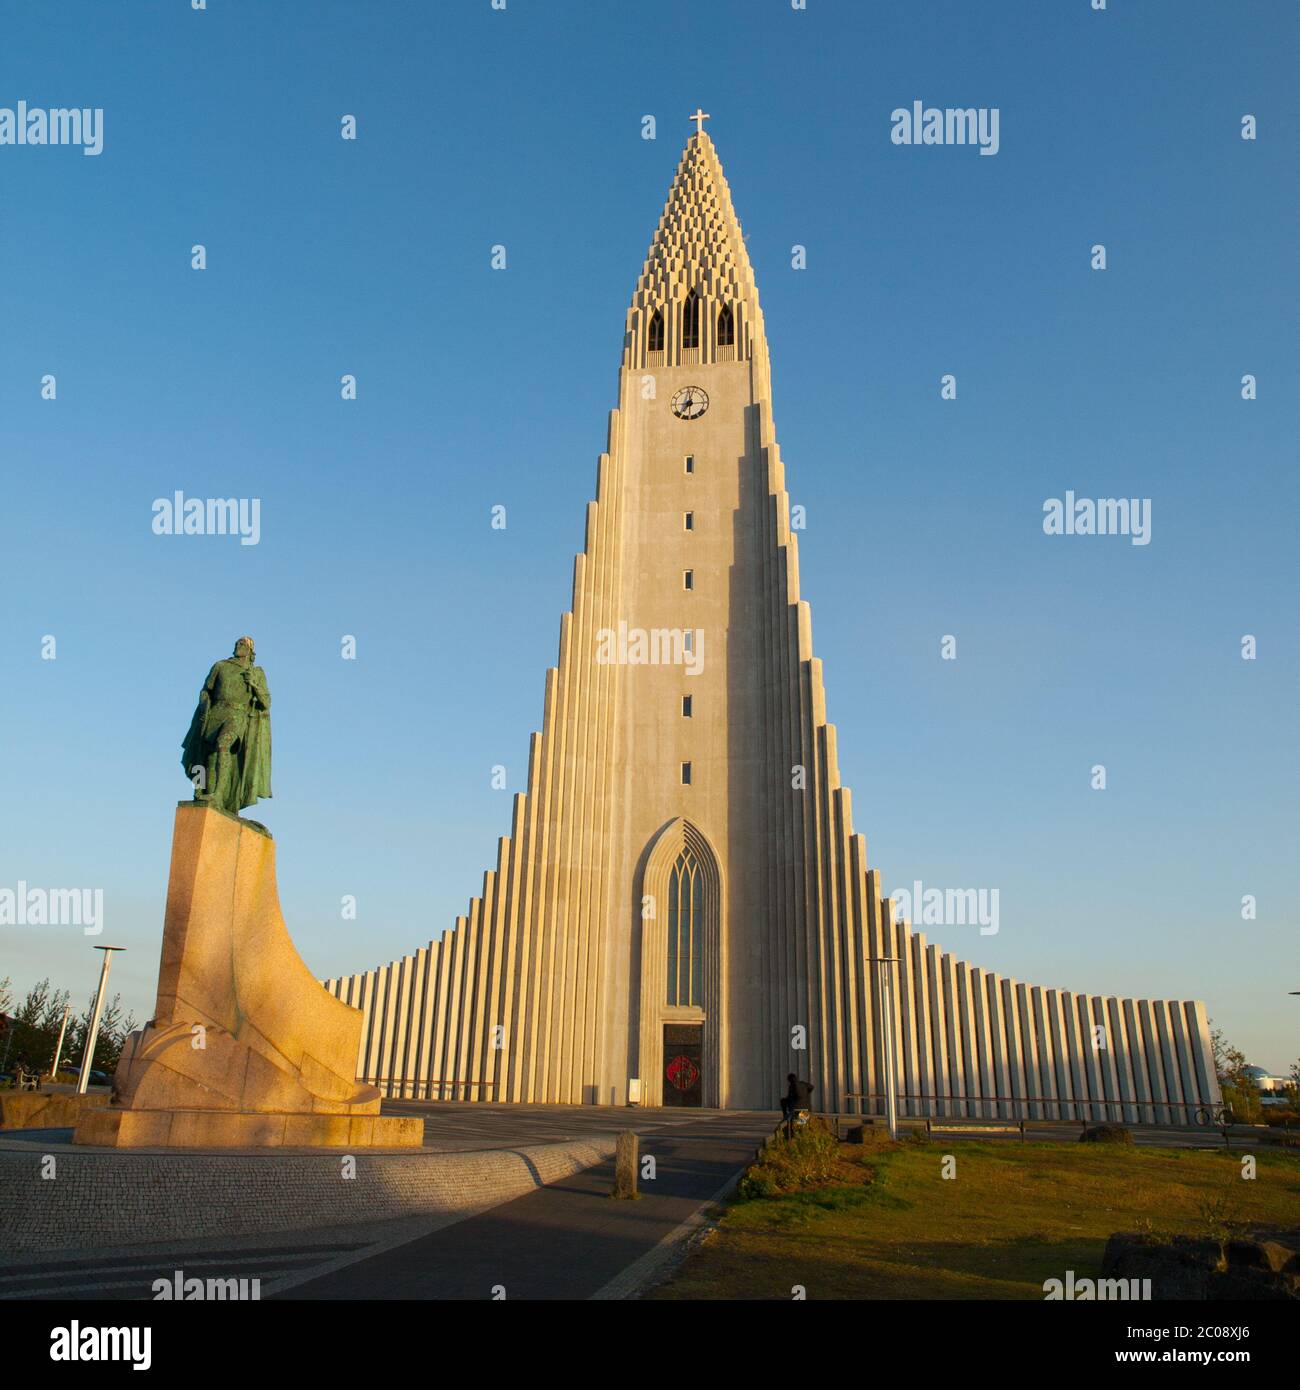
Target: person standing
{"type": "Point", "coordinates": [798, 1096]}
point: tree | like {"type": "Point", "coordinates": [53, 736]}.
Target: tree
{"type": "Point", "coordinates": [34, 1030]}
{"type": "Point", "coordinates": [113, 1030]}
{"type": "Point", "coordinates": [1240, 1093]}
{"type": "Point", "coordinates": [36, 1024]}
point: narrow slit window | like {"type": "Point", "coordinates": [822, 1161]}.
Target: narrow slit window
{"type": "Point", "coordinates": [686, 706]}
{"type": "Point", "coordinates": [688, 578]}
{"type": "Point", "coordinates": [690, 463]}
{"type": "Point", "coordinates": [689, 520]}
{"type": "Point", "coordinates": [686, 774]}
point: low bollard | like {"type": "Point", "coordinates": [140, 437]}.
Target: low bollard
{"type": "Point", "coordinates": [625, 1165]}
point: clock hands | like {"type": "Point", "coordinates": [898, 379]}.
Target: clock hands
{"type": "Point", "coordinates": [690, 403]}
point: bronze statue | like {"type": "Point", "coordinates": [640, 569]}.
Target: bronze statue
{"type": "Point", "coordinates": [227, 752]}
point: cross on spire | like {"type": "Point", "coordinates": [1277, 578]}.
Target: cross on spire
{"type": "Point", "coordinates": [699, 116]}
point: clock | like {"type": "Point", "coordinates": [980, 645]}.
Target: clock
{"type": "Point", "coordinates": [690, 403]}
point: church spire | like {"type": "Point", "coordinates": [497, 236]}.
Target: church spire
{"type": "Point", "coordinates": [698, 250]}
{"type": "Point", "coordinates": [686, 759]}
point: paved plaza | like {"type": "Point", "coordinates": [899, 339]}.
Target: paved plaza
{"type": "Point", "coordinates": [450, 1125]}
{"type": "Point", "coordinates": [568, 1239]}
{"type": "Point", "coordinates": [564, 1240]}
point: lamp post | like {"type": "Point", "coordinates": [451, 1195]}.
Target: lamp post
{"type": "Point", "coordinates": [92, 1034]}
{"type": "Point", "coordinates": [58, 1051]}
{"type": "Point", "coordinates": [885, 1007]}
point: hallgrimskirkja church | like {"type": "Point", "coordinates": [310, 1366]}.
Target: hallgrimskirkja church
{"type": "Point", "coordinates": [683, 912]}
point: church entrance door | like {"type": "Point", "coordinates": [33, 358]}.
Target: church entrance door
{"type": "Point", "coordinates": [683, 1074]}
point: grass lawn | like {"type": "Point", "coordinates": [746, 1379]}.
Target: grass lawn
{"type": "Point", "coordinates": [889, 1225]}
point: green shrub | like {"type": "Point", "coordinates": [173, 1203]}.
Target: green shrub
{"type": "Point", "coordinates": [1106, 1134]}
{"type": "Point", "coordinates": [758, 1182]}
{"type": "Point", "coordinates": [792, 1165]}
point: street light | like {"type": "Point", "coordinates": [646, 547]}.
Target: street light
{"type": "Point", "coordinates": [92, 1035]}
{"type": "Point", "coordinates": [58, 1051]}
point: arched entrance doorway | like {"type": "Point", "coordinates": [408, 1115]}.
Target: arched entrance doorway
{"type": "Point", "coordinates": [681, 904]}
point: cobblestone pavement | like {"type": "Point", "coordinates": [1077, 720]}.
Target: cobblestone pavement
{"type": "Point", "coordinates": [571, 1244]}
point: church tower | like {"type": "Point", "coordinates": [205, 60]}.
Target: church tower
{"type": "Point", "coordinates": [683, 910]}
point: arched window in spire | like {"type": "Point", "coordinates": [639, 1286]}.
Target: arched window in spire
{"type": "Point", "coordinates": [691, 321]}
{"type": "Point", "coordinates": [726, 327]}
{"type": "Point", "coordinates": [655, 337]}
{"type": "Point", "coordinates": [686, 931]}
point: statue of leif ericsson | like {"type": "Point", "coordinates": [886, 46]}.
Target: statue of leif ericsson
{"type": "Point", "coordinates": [227, 752]}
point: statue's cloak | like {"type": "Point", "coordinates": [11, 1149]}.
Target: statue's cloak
{"type": "Point", "coordinates": [253, 752]}
{"type": "Point", "coordinates": [255, 762]}
{"type": "Point", "coordinates": [194, 751]}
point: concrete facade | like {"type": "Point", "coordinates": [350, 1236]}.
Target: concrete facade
{"type": "Point", "coordinates": [560, 980]}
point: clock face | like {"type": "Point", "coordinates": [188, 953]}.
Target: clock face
{"type": "Point", "coordinates": [690, 403]}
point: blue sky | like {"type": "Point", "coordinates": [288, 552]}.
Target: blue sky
{"type": "Point", "coordinates": [479, 387]}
